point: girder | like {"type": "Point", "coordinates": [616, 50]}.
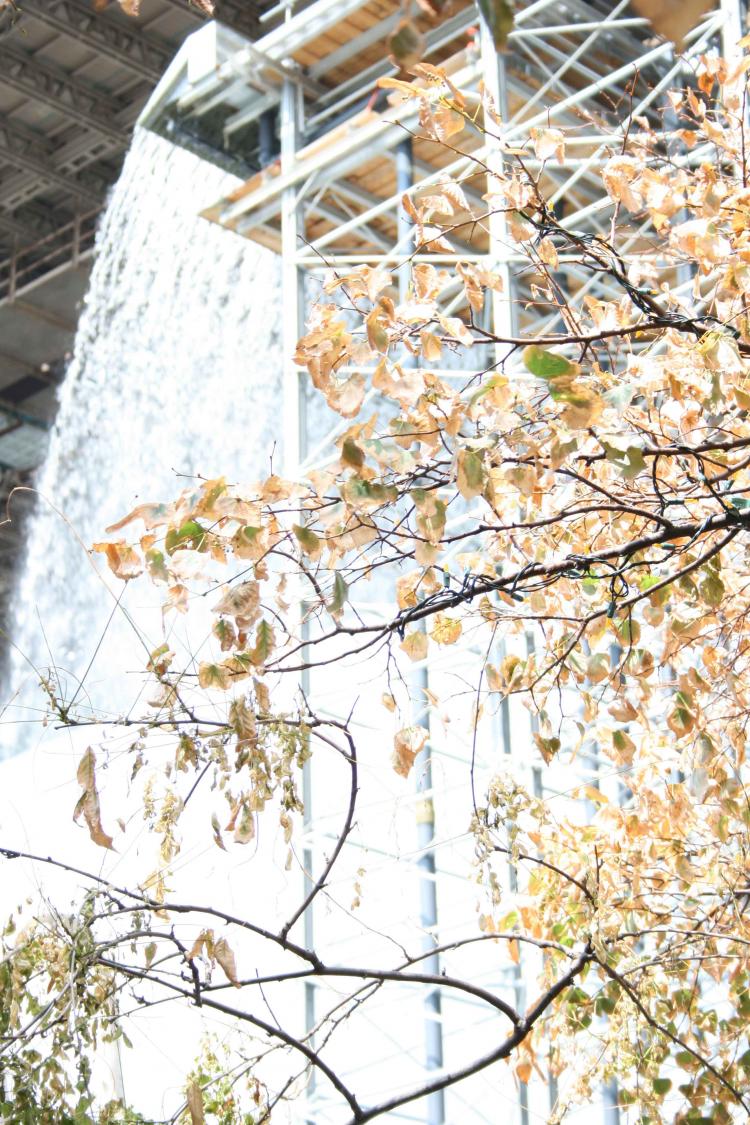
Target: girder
{"type": "Point", "coordinates": [242, 15]}
{"type": "Point", "coordinates": [142, 52]}
{"type": "Point", "coordinates": [76, 99]}
{"type": "Point", "coordinates": [23, 148]}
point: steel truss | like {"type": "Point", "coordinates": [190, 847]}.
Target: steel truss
{"type": "Point", "coordinates": [324, 208]}
{"type": "Point", "coordinates": [143, 53]}
{"type": "Point", "coordinates": [80, 101]}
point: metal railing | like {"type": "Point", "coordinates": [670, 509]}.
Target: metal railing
{"type": "Point", "coordinates": [65, 247]}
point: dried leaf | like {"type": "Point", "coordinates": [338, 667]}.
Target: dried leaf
{"type": "Point", "coordinates": [672, 18]}
{"type": "Point", "coordinates": [265, 642]}
{"type": "Point", "coordinates": [445, 630]}
{"type": "Point", "coordinates": [194, 1097]}
{"type": "Point", "coordinates": [214, 676]}
{"type": "Point", "coordinates": [224, 955]}
{"type": "Point", "coordinates": [240, 602]}
{"type": "Point", "coordinates": [415, 645]}
{"type": "Point", "coordinates": [471, 476]}
{"type": "Point", "coordinates": [88, 803]}
{"type": "Point", "coordinates": [123, 560]}
{"type": "Point", "coordinates": [406, 745]}
{"type": "Point", "coordinates": [243, 824]}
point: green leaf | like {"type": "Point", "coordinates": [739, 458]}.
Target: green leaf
{"type": "Point", "coordinates": [712, 589]}
{"type": "Point", "coordinates": [340, 596]}
{"type": "Point", "coordinates": [604, 1006]}
{"type": "Point", "coordinates": [157, 566]}
{"type": "Point", "coordinates": [470, 473]}
{"type": "Point", "coordinates": [629, 461]}
{"type": "Point", "coordinates": [191, 532]}
{"type": "Point", "coordinates": [352, 455]}
{"type": "Point", "coordinates": [308, 540]}
{"type": "Point", "coordinates": [547, 365]}
{"type": "Point", "coordinates": [264, 642]}
{"type": "Point", "coordinates": [661, 1086]}
{"type": "Point", "coordinates": [213, 676]}
{"type": "Point", "coordinates": [498, 15]}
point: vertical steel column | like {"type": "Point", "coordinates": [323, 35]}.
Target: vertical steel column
{"type": "Point", "coordinates": [425, 809]}
{"type": "Point", "coordinates": [501, 318]}
{"type": "Point", "coordinates": [733, 28]}
{"type": "Point", "coordinates": [13, 271]}
{"type": "Point", "coordinates": [501, 304]}
{"type": "Point", "coordinates": [295, 427]}
{"type": "Point", "coordinates": [292, 280]}
{"type": "Point", "coordinates": [519, 986]}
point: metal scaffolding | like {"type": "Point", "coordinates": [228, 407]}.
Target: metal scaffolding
{"type": "Point", "coordinates": [332, 199]}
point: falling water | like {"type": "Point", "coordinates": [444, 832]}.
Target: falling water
{"type": "Point", "coordinates": [175, 372]}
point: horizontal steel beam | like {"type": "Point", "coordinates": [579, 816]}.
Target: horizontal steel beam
{"type": "Point", "coordinates": [142, 52]}
{"type": "Point", "coordinates": [76, 99]}
{"type": "Point", "coordinates": [26, 149]}
{"type": "Point", "coordinates": [241, 15]}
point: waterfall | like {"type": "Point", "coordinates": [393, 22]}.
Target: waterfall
{"type": "Point", "coordinates": [175, 371]}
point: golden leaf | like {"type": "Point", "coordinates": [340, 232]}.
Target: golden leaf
{"type": "Point", "coordinates": [445, 630]}
{"type": "Point", "coordinates": [415, 645]}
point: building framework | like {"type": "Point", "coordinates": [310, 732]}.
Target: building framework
{"type": "Point", "coordinates": [336, 159]}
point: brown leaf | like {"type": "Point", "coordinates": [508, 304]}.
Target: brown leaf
{"type": "Point", "coordinates": [672, 18]}
{"type": "Point", "coordinates": [194, 1097]}
{"type": "Point", "coordinates": [240, 602]}
{"type": "Point", "coordinates": [226, 958]}
{"type": "Point", "coordinates": [406, 745]}
{"type": "Point", "coordinates": [243, 824]}
{"type": "Point", "coordinates": [87, 805]}
{"type": "Point", "coordinates": [197, 946]}
{"type": "Point", "coordinates": [346, 398]}
{"type": "Point", "coordinates": [153, 515]}
{"type": "Point", "coordinates": [214, 676]}
{"type": "Point", "coordinates": [123, 561]}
